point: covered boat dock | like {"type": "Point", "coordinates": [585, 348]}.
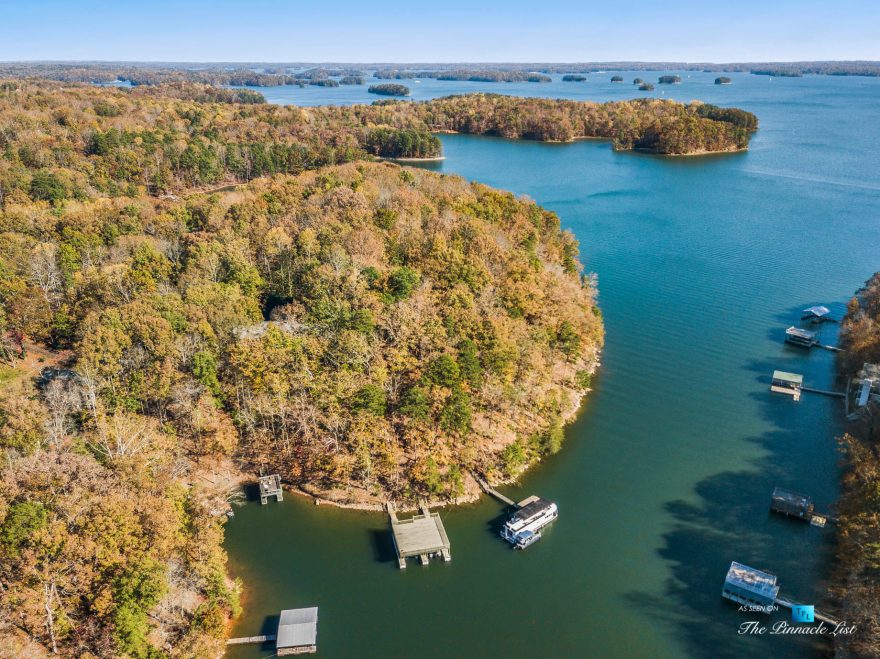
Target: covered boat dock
{"type": "Point", "coordinates": [787, 383]}
{"type": "Point", "coordinates": [817, 314]}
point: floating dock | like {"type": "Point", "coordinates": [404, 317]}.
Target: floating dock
{"type": "Point", "coordinates": [421, 535]}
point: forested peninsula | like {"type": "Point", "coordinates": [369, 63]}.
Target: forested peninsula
{"type": "Point", "coordinates": [196, 285]}
{"type": "Point", "coordinates": [60, 141]}
{"type": "Point", "coordinates": [367, 331]}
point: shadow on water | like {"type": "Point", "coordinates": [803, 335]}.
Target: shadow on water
{"type": "Point", "coordinates": [269, 627]}
{"type": "Point", "coordinates": [493, 526]}
{"type": "Point", "coordinates": [383, 546]}
{"type": "Point", "coordinates": [251, 491]}
{"type": "Point", "coordinates": [720, 528]}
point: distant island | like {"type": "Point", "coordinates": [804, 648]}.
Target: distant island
{"type": "Point", "coordinates": [646, 87]}
{"type": "Point", "coordinates": [274, 74]}
{"type": "Point", "coordinates": [616, 78]}
{"type": "Point", "coordinates": [722, 80]}
{"type": "Point", "coordinates": [669, 80]}
{"type": "Point", "coordinates": [782, 73]}
{"type": "Point", "coordinates": [573, 77]}
{"type": "Point", "coordinates": [351, 80]}
{"type": "Point", "coordinates": [637, 81]}
{"type": "Point", "coordinates": [389, 89]}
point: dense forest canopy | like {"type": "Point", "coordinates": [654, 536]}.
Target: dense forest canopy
{"type": "Point", "coordinates": [857, 574]}
{"type": "Point", "coordinates": [367, 331]}
{"type": "Point", "coordinates": [669, 80]}
{"type": "Point", "coordinates": [76, 142]}
{"type": "Point", "coordinates": [573, 77]}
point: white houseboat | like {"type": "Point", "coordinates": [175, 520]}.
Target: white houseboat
{"type": "Point", "coordinates": [523, 526]}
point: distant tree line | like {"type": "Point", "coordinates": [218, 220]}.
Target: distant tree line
{"type": "Point", "coordinates": [272, 74]}
{"type": "Point", "coordinates": [472, 75]}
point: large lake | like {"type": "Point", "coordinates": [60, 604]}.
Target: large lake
{"type": "Point", "coordinates": [666, 475]}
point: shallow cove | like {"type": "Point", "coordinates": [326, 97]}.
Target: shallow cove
{"type": "Point", "coordinates": [666, 475]}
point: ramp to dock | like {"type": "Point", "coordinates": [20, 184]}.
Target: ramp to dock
{"type": "Point", "coordinates": [824, 392]}
{"type": "Point", "coordinates": [488, 489]}
{"type": "Point", "coordinates": [824, 617]}
{"type": "Point", "coordinates": [251, 640]}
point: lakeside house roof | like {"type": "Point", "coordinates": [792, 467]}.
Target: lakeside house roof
{"type": "Point", "coordinates": [297, 627]}
{"type": "Point", "coordinates": [870, 371]}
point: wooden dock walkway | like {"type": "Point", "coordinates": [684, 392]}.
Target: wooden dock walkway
{"type": "Point", "coordinates": [251, 640]}
{"type": "Point", "coordinates": [824, 392]}
{"type": "Point", "coordinates": [488, 489]}
{"type": "Point", "coordinates": [818, 615]}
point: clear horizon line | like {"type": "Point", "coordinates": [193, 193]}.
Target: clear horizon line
{"type": "Point", "coordinates": [438, 62]}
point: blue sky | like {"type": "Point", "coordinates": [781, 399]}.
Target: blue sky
{"type": "Point", "coordinates": [439, 31]}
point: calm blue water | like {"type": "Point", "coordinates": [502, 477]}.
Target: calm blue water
{"type": "Point", "coordinates": [666, 475]}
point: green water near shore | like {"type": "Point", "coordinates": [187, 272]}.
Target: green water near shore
{"type": "Point", "coordinates": [666, 474]}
